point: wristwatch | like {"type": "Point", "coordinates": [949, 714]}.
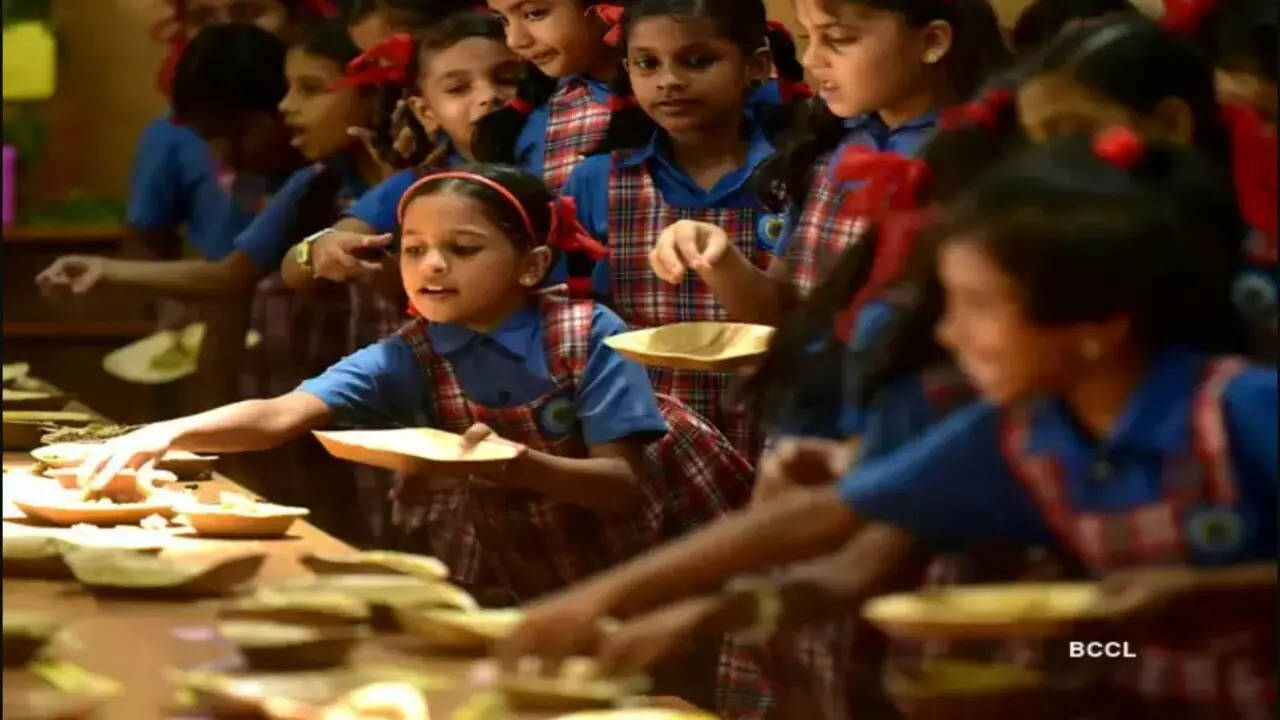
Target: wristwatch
{"type": "Point", "coordinates": [302, 251]}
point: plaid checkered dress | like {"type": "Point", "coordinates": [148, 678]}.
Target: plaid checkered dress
{"type": "Point", "coordinates": [531, 545]}
{"type": "Point", "coordinates": [1234, 667]}
{"type": "Point", "coordinates": [822, 230]}
{"type": "Point", "coordinates": [576, 124]}
{"type": "Point", "coordinates": [637, 216]}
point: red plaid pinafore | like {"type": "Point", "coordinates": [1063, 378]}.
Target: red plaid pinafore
{"type": "Point", "coordinates": [637, 216]}
{"type": "Point", "coordinates": [530, 545]}
{"type": "Point", "coordinates": [823, 230]}
{"type": "Point", "coordinates": [576, 124]}
{"type": "Point", "coordinates": [1234, 669]}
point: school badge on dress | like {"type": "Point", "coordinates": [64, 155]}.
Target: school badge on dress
{"type": "Point", "coordinates": [770, 228]}
{"type": "Point", "coordinates": [1215, 531]}
{"type": "Point", "coordinates": [558, 417]}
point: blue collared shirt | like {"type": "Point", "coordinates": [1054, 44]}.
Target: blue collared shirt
{"type": "Point", "coordinates": [531, 143]}
{"type": "Point", "coordinates": [377, 208]}
{"type": "Point", "coordinates": [266, 240]}
{"type": "Point", "coordinates": [173, 183]}
{"type": "Point", "coordinates": [589, 187]}
{"type": "Point", "coordinates": [954, 486]}
{"type": "Point", "coordinates": [383, 386]}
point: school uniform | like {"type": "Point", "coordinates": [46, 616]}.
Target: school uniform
{"type": "Point", "coordinates": [302, 335]}
{"type": "Point", "coordinates": [174, 182]}
{"type": "Point", "coordinates": [818, 232]}
{"type": "Point", "coordinates": [544, 378]}
{"type": "Point", "coordinates": [559, 134]}
{"type": "Point", "coordinates": [626, 199]}
{"type": "Point", "coordinates": [378, 208]}
{"type": "Point", "coordinates": [1188, 476]}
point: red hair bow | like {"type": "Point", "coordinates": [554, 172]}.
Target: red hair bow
{"type": "Point", "coordinates": [386, 62]}
{"type": "Point", "coordinates": [1253, 165]}
{"type": "Point", "coordinates": [619, 103]}
{"type": "Point", "coordinates": [567, 234]}
{"type": "Point", "coordinates": [983, 112]}
{"type": "Point", "coordinates": [1185, 16]}
{"type": "Point", "coordinates": [327, 9]}
{"type": "Point", "coordinates": [520, 105]}
{"type": "Point", "coordinates": [612, 15]}
{"type": "Point", "coordinates": [888, 197]}
{"type": "Point", "coordinates": [1119, 146]}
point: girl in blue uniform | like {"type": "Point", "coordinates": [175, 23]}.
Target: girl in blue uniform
{"type": "Point", "coordinates": [604, 467]}
{"type": "Point", "coordinates": [684, 151]}
{"type": "Point", "coordinates": [458, 72]}
{"type": "Point", "coordinates": [1109, 426]}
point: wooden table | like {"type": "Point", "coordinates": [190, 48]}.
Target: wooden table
{"type": "Point", "coordinates": [134, 640]}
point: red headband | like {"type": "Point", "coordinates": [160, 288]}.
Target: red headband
{"type": "Point", "coordinates": [565, 233]}
{"type": "Point", "coordinates": [1185, 16]}
{"type": "Point", "coordinates": [983, 112]}
{"type": "Point", "coordinates": [612, 15]}
{"type": "Point", "coordinates": [1119, 146]}
{"type": "Point", "coordinates": [386, 62]}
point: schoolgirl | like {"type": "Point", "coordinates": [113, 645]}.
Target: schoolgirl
{"type": "Point", "coordinates": [1127, 441]}
{"type": "Point", "coordinates": [605, 467]}
{"type": "Point", "coordinates": [684, 151]}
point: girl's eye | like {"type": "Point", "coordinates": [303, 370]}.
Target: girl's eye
{"type": "Point", "coordinates": [838, 39]}
{"type": "Point", "coordinates": [699, 62]}
{"type": "Point", "coordinates": [645, 64]}
{"type": "Point", "coordinates": [310, 88]}
{"type": "Point", "coordinates": [413, 251]}
{"type": "Point", "coordinates": [465, 250]}
{"type": "Point", "coordinates": [456, 89]}
{"type": "Point", "coordinates": [538, 14]}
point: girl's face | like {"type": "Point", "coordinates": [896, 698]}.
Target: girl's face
{"type": "Point", "coordinates": [555, 35]}
{"type": "Point", "coordinates": [459, 267]}
{"type": "Point", "coordinates": [864, 59]}
{"type": "Point", "coordinates": [270, 15]}
{"type": "Point", "coordinates": [461, 84]}
{"type": "Point", "coordinates": [688, 78]}
{"type": "Point", "coordinates": [1052, 104]}
{"type": "Point", "coordinates": [319, 118]}
{"type": "Point", "coordinates": [1004, 354]}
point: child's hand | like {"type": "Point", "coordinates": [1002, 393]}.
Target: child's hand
{"type": "Point", "coordinates": [334, 255]}
{"type": "Point", "coordinates": [688, 245]}
{"type": "Point", "coordinates": [801, 461]}
{"type": "Point", "coordinates": [639, 643]}
{"type": "Point", "coordinates": [139, 450]}
{"type": "Point", "coordinates": [72, 275]}
{"type": "Point", "coordinates": [492, 473]}
{"type": "Point", "coordinates": [565, 624]}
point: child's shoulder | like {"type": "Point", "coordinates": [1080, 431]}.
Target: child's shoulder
{"type": "Point", "coordinates": [602, 322]}
{"type": "Point", "coordinates": [1250, 389]}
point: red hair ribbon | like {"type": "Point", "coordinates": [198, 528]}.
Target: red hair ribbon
{"type": "Point", "coordinates": [520, 105]}
{"type": "Point", "coordinates": [983, 112]}
{"type": "Point", "coordinates": [1185, 16]}
{"type": "Point", "coordinates": [327, 9]}
{"type": "Point", "coordinates": [794, 89]}
{"type": "Point", "coordinates": [612, 15]}
{"type": "Point", "coordinates": [567, 234]}
{"type": "Point", "coordinates": [1119, 146]}
{"type": "Point", "coordinates": [1253, 166]}
{"type": "Point", "coordinates": [618, 103]}
{"type": "Point", "coordinates": [386, 62]}
{"type": "Point", "coordinates": [887, 196]}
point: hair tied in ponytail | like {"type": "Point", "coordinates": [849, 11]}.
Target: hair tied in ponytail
{"type": "Point", "coordinates": [983, 112]}
{"type": "Point", "coordinates": [1119, 146]}
{"type": "Point", "coordinates": [1185, 16]}
{"type": "Point", "coordinates": [612, 15]}
{"type": "Point", "coordinates": [386, 62]}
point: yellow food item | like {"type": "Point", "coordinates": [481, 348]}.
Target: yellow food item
{"type": "Point", "coordinates": [946, 676]}
{"type": "Point", "coordinates": [986, 604]}
{"type": "Point", "coordinates": [380, 701]}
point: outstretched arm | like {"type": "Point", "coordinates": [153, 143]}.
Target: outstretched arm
{"type": "Point", "coordinates": [233, 276]}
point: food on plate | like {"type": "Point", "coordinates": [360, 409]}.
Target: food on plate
{"type": "Point", "coordinates": [237, 515]}
{"type": "Point", "coordinates": [109, 569]}
{"type": "Point", "coordinates": [460, 630]}
{"type": "Point", "coordinates": [377, 562]}
{"type": "Point", "coordinates": [385, 593]}
{"type": "Point", "coordinates": [984, 610]}
{"type": "Point", "coordinates": [380, 701]}
{"type": "Point", "coordinates": [303, 607]}
{"type": "Point", "coordinates": [283, 646]}
{"type": "Point", "coordinates": [90, 433]}
{"type": "Point", "coordinates": [577, 685]}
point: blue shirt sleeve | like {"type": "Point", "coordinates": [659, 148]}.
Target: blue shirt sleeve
{"type": "Point", "coordinates": [951, 487]}
{"type": "Point", "coordinates": [615, 398]}
{"type": "Point", "coordinates": [1249, 407]}
{"type": "Point", "coordinates": [377, 207]}
{"type": "Point", "coordinates": [378, 386]}
{"type": "Point", "coordinates": [155, 181]}
{"type": "Point", "coordinates": [264, 240]}
{"type": "Point", "coordinates": [531, 143]}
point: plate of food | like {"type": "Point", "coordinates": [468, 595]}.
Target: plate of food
{"type": "Point", "coordinates": [577, 685]}
{"type": "Point", "coordinates": [14, 399]}
{"type": "Point", "coordinates": [268, 645]}
{"type": "Point", "coordinates": [163, 357]}
{"type": "Point", "coordinates": [34, 556]}
{"type": "Point", "coordinates": [236, 515]}
{"type": "Point", "coordinates": [376, 562]}
{"type": "Point", "coordinates": [299, 607]}
{"type": "Point", "coordinates": [459, 630]}
{"type": "Point", "coordinates": [59, 506]}
{"type": "Point", "coordinates": [986, 611]}
{"type": "Point", "coordinates": [937, 687]}
{"type": "Point", "coordinates": [25, 632]}
{"type": "Point", "coordinates": [69, 455]}
{"type": "Point", "coordinates": [407, 449]}
{"type": "Point", "coordinates": [707, 346]}
{"type": "Point", "coordinates": [126, 486]}
{"type": "Point", "coordinates": [385, 593]}
{"type": "Point", "coordinates": [302, 694]}
{"type": "Point", "coordinates": [116, 571]}
{"type": "Point", "coordinates": [23, 429]}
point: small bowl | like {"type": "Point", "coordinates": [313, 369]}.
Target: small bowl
{"type": "Point", "coordinates": [264, 521]}
{"type": "Point", "coordinates": [281, 646]}
{"type": "Point", "coordinates": [459, 630]}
